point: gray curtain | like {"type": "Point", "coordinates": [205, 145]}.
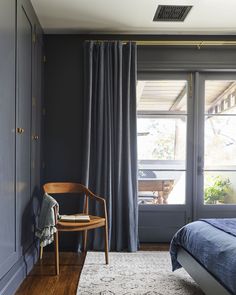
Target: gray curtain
{"type": "Point", "coordinates": [110, 140]}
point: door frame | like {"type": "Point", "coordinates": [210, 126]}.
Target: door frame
{"type": "Point", "coordinates": [168, 209]}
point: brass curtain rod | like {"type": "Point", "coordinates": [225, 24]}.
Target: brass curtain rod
{"type": "Point", "coordinates": [197, 43]}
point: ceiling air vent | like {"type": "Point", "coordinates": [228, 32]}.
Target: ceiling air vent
{"type": "Point", "coordinates": [171, 13]}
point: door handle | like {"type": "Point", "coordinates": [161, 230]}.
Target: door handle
{"type": "Point", "coordinates": [20, 130]}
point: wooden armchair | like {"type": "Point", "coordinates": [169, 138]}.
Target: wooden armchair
{"type": "Point", "coordinates": [95, 221]}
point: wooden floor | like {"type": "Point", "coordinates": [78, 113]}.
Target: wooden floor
{"type": "Point", "coordinates": [154, 247]}
{"type": "Point", "coordinates": [42, 281]}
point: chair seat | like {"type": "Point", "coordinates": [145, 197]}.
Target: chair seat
{"type": "Point", "coordinates": [95, 221]}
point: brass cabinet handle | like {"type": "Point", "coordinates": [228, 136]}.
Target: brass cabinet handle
{"type": "Point", "coordinates": [20, 130]}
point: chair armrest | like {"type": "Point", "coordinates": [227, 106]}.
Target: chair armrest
{"type": "Point", "coordinates": [97, 198]}
{"type": "Point", "coordinates": [100, 200]}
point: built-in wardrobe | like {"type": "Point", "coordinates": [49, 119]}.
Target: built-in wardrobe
{"type": "Point", "coordinates": [21, 65]}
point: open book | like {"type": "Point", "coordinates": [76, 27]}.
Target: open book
{"type": "Point", "coordinates": [75, 217]}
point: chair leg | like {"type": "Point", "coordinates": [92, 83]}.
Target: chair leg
{"type": "Point", "coordinates": [41, 253]}
{"type": "Point", "coordinates": [106, 243]}
{"type": "Point", "coordinates": [85, 236]}
{"type": "Point", "coordinates": [56, 252]}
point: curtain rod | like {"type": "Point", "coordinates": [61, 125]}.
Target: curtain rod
{"type": "Point", "coordinates": [197, 43]}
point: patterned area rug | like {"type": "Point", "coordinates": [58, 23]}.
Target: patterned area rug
{"type": "Point", "coordinates": [140, 273]}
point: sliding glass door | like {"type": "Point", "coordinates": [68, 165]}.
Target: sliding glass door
{"type": "Point", "coordinates": [165, 147]}
{"type": "Point", "coordinates": [215, 186]}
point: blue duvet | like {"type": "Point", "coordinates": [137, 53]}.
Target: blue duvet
{"type": "Point", "coordinates": [212, 242]}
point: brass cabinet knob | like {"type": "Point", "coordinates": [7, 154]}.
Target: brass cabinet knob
{"type": "Point", "coordinates": [35, 137]}
{"type": "Point", "coordinates": [20, 130]}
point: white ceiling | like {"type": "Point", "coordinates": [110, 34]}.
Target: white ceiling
{"type": "Point", "coordinates": [134, 16]}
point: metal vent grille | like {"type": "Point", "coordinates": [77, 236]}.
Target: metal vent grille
{"type": "Point", "coordinates": [171, 13]}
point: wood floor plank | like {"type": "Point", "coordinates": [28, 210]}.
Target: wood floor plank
{"type": "Point", "coordinates": [42, 279]}
{"type": "Point", "coordinates": [154, 247]}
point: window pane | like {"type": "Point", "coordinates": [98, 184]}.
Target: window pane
{"type": "Point", "coordinates": [220, 97]}
{"type": "Point", "coordinates": [161, 187]}
{"type": "Point", "coordinates": [219, 188]}
{"type": "Point", "coordinates": [161, 138]}
{"type": "Point", "coordinates": [162, 95]}
{"type": "Point", "coordinates": [220, 142]}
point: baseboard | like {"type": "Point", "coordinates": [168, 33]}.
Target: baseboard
{"type": "Point", "coordinates": [15, 276]}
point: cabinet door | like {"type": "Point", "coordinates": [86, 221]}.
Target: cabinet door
{"type": "Point", "coordinates": [36, 116]}
{"type": "Point", "coordinates": [23, 138]}
{"type": "Point", "coordinates": [7, 136]}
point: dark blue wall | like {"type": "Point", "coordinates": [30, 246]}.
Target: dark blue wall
{"type": "Point", "coordinates": [63, 96]}
{"type": "Point", "coordinates": [63, 113]}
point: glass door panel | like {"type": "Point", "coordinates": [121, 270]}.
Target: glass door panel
{"type": "Point", "coordinates": [162, 134]}
{"type": "Point", "coordinates": [217, 146]}
{"type": "Point", "coordinates": [219, 187]}
{"type": "Point", "coordinates": [164, 130]}
{"type": "Point", "coordinates": [220, 142]}
{"type": "Point", "coordinates": [162, 159]}
{"type": "Point", "coordinates": [166, 138]}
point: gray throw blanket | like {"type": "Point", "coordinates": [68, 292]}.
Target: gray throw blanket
{"type": "Point", "coordinates": [47, 223]}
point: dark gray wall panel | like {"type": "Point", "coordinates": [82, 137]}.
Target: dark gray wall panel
{"type": "Point", "coordinates": [156, 234]}
{"type": "Point", "coordinates": [62, 140]}
{"type": "Point", "coordinates": [63, 97]}
{"type": "Point", "coordinates": [36, 136]}
{"type": "Point", "coordinates": [155, 58]}
{"type": "Point", "coordinates": [7, 136]}
{"type": "Point", "coordinates": [23, 119]}
{"type": "Point", "coordinates": [12, 279]}
{"type": "Point", "coordinates": [159, 226]}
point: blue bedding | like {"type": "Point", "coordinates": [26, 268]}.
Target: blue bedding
{"type": "Point", "coordinates": [212, 242]}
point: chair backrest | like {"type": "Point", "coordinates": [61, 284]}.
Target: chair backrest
{"type": "Point", "coordinates": [64, 187]}
{"type": "Point", "coordinates": [76, 188]}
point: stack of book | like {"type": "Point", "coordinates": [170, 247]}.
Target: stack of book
{"type": "Point", "coordinates": [75, 218]}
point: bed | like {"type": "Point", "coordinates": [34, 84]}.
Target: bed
{"type": "Point", "coordinates": [207, 250]}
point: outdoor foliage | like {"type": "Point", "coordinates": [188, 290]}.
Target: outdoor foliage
{"type": "Point", "coordinates": [159, 144]}
{"type": "Point", "coordinates": [217, 190]}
